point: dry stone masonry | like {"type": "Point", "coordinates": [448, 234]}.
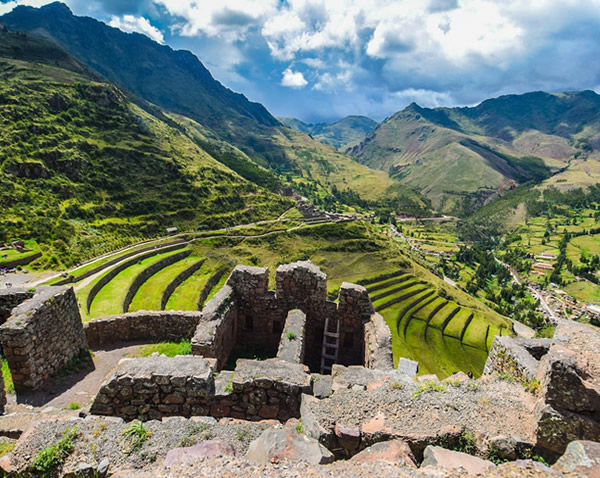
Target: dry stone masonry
{"type": "Point", "coordinates": [157, 387]}
{"type": "Point", "coordinates": [42, 335]}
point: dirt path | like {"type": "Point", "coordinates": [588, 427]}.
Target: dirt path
{"type": "Point", "coordinates": [79, 388]}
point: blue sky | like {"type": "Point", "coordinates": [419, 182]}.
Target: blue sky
{"type": "Point", "coordinates": [325, 59]}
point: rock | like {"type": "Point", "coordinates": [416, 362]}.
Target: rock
{"type": "Point", "coordinates": [276, 444]}
{"type": "Point", "coordinates": [102, 468]}
{"type": "Point", "coordinates": [408, 367]}
{"type": "Point", "coordinates": [453, 460]}
{"type": "Point", "coordinates": [347, 437]}
{"type": "Point", "coordinates": [504, 447]}
{"type": "Point", "coordinates": [83, 470]}
{"type": "Point", "coordinates": [428, 378]}
{"type": "Point", "coordinates": [322, 385]}
{"type": "Point", "coordinates": [457, 377]}
{"type": "Point", "coordinates": [395, 451]}
{"type": "Point", "coordinates": [580, 457]}
{"type": "Point", "coordinates": [207, 448]}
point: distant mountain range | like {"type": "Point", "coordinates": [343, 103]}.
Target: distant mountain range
{"type": "Point", "coordinates": [339, 133]}
{"type": "Point", "coordinates": [464, 157]}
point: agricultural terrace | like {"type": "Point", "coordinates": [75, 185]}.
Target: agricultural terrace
{"type": "Point", "coordinates": [435, 331]}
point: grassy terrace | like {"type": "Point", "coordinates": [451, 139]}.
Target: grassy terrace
{"type": "Point", "coordinates": [441, 335]}
{"type": "Point", "coordinates": [13, 255]}
{"type": "Point", "coordinates": [149, 296]}
{"type": "Point", "coordinates": [109, 300]}
{"type": "Point", "coordinates": [100, 262]}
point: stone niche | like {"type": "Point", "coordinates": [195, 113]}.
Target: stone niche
{"type": "Point", "coordinates": [245, 313]}
{"type": "Point", "coordinates": [42, 335]}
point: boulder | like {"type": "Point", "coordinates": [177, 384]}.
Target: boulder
{"type": "Point", "coordinates": [277, 444]}
{"type": "Point", "coordinates": [395, 451]}
{"type": "Point", "coordinates": [347, 437]}
{"type": "Point", "coordinates": [436, 456]}
{"type": "Point", "coordinates": [580, 457]}
{"type": "Point", "coordinates": [207, 448]}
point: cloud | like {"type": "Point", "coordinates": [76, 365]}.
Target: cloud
{"type": "Point", "coordinates": [131, 23]}
{"type": "Point", "coordinates": [442, 5]}
{"type": "Point", "coordinates": [293, 79]}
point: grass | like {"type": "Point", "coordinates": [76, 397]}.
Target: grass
{"type": "Point", "coordinates": [135, 436]}
{"type": "Point", "coordinates": [170, 349]}
{"type": "Point", "coordinates": [149, 295]}
{"type": "Point", "coordinates": [74, 406]}
{"type": "Point", "coordinates": [51, 458]}
{"type": "Point", "coordinates": [428, 387]}
{"type": "Point", "coordinates": [583, 291]}
{"type": "Point", "coordinates": [185, 296]}
{"type": "Point", "coordinates": [109, 300]}
{"type": "Point", "coordinates": [291, 335]}
{"type": "Point", "coordinates": [9, 386]}
{"type": "Point", "coordinates": [7, 447]}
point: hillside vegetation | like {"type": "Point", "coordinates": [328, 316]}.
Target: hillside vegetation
{"type": "Point", "coordinates": [461, 158]}
{"type": "Point", "coordinates": [84, 170]}
{"type": "Point", "coordinates": [350, 129]}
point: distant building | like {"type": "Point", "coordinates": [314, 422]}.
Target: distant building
{"type": "Point", "coordinates": [594, 309]}
{"type": "Point", "coordinates": [171, 230]}
{"type": "Point", "coordinates": [546, 255]}
{"type": "Point", "coordinates": [543, 266]}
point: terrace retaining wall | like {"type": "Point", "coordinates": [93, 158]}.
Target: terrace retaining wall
{"type": "Point", "coordinates": [142, 325]}
{"type": "Point", "coordinates": [42, 335]}
{"type": "Point", "coordinates": [20, 262]}
{"type": "Point", "coordinates": [182, 277]}
{"type": "Point", "coordinates": [149, 272]}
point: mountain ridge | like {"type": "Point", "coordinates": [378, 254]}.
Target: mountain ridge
{"type": "Point", "coordinates": [451, 154]}
{"type": "Point", "coordinates": [338, 134]}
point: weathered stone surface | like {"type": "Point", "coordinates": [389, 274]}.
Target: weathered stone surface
{"type": "Point", "coordinates": [11, 298]}
{"type": "Point", "coordinates": [291, 343]}
{"type": "Point", "coordinates": [277, 444]}
{"type": "Point", "coordinates": [569, 404]}
{"type": "Point", "coordinates": [42, 335]}
{"type": "Point", "coordinates": [378, 344]}
{"type": "Point", "coordinates": [580, 457]}
{"type": "Point", "coordinates": [395, 451]}
{"type": "Point", "coordinates": [408, 367]}
{"type": "Point", "coordinates": [436, 456]}
{"type": "Point", "coordinates": [509, 355]}
{"type": "Point", "coordinates": [347, 437]}
{"type": "Point", "coordinates": [322, 385]}
{"type": "Point", "coordinates": [203, 449]}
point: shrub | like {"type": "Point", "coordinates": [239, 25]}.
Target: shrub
{"type": "Point", "coordinates": [49, 459]}
{"type": "Point", "coordinates": [291, 335]}
{"type": "Point", "coordinates": [74, 406]}
{"type": "Point", "coordinates": [427, 387]}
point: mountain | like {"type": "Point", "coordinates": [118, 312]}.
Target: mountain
{"type": "Point", "coordinates": [85, 170]}
{"type": "Point", "coordinates": [174, 80]}
{"type": "Point", "coordinates": [240, 134]}
{"type": "Point", "coordinates": [462, 158]}
{"type": "Point", "coordinates": [348, 130]}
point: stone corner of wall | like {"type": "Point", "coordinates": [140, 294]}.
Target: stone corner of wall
{"type": "Point", "coordinates": [378, 344]}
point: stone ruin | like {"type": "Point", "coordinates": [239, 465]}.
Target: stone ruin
{"type": "Point", "coordinates": [331, 367]}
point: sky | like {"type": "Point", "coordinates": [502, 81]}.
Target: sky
{"type": "Point", "coordinates": [320, 60]}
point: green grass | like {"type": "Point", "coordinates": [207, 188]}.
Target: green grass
{"type": "Point", "coordinates": [9, 386]}
{"type": "Point", "coordinates": [51, 458]}
{"type": "Point", "coordinates": [109, 300]}
{"type": "Point", "coordinates": [7, 447]}
{"type": "Point", "coordinates": [13, 255]}
{"type": "Point", "coordinates": [149, 296]}
{"type": "Point", "coordinates": [170, 349]}
{"type": "Point", "coordinates": [584, 291]}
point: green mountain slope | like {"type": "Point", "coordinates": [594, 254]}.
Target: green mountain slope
{"type": "Point", "coordinates": [462, 158]}
{"type": "Point", "coordinates": [84, 170]}
{"type": "Point", "coordinates": [350, 129]}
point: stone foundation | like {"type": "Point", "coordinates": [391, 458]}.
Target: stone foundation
{"type": "Point", "coordinates": [9, 299]}
{"type": "Point", "coordinates": [158, 387]}
{"type": "Point", "coordinates": [42, 335]}
{"type": "Point", "coordinates": [245, 313]}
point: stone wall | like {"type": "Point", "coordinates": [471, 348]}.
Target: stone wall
{"type": "Point", "coordinates": [510, 355]}
{"type": "Point", "coordinates": [20, 262]}
{"type": "Point", "coordinates": [291, 343]}
{"type": "Point", "coordinates": [142, 325]}
{"type": "Point", "coordinates": [9, 299]}
{"type": "Point", "coordinates": [42, 335]}
{"type": "Point", "coordinates": [378, 344]}
{"type": "Point", "coordinates": [149, 272]}
{"type": "Point", "coordinates": [215, 335]}
{"type": "Point", "coordinates": [158, 387]}
{"type": "Point", "coordinates": [260, 314]}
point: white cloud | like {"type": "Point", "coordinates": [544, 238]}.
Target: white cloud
{"type": "Point", "coordinates": [131, 23]}
{"type": "Point", "coordinates": [6, 7]}
{"type": "Point", "coordinates": [293, 79]}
